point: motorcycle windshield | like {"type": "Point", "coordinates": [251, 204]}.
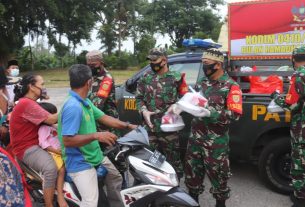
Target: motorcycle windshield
{"type": "Point", "coordinates": [138, 136]}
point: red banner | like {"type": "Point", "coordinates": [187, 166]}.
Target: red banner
{"type": "Point", "coordinates": [266, 28]}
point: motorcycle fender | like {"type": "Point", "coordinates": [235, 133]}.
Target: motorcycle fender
{"type": "Point", "coordinates": [176, 196]}
{"type": "Point", "coordinates": [144, 195]}
{"type": "Point", "coordinates": [141, 193]}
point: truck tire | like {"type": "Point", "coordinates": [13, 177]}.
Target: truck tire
{"type": "Point", "coordinates": [274, 165]}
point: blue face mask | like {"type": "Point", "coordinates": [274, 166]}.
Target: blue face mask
{"type": "Point", "coordinates": [14, 72]}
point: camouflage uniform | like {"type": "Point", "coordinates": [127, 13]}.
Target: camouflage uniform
{"type": "Point", "coordinates": [103, 97]}
{"type": "Point", "coordinates": [208, 146]}
{"type": "Point", "coordinates": [156, 93]}
{"type": "Point", "coordinates": [294, 102]}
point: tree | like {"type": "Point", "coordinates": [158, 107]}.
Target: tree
{"type": "Point", "coordinates": [116, 19]}
{"type": "Point", "coordinates": [143, 46]}
{"type": "Point", "coordinates": [181, 19]}
{"type": "Point", "coordinates": [72, 19]}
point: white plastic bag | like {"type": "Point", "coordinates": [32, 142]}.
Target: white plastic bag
{"type": "Point", "coordinates": [171, 123]}
{"type": "Point", "coordinates": [192, 102]}
{"type": "Point", "coordinates": [274, 108]}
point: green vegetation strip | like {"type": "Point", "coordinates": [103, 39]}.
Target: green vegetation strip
{"type": "Point", "coordinates": [58, 78]}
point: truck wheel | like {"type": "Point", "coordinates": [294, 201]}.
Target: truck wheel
{"type": "Point", "coordinates": [274, 165]}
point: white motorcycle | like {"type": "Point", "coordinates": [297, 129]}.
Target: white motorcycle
{"type": "Point", "coordinates": [155, 180]}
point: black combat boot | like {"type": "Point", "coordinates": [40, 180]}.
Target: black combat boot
{"type": "Point", "coordinates": [220, 203]}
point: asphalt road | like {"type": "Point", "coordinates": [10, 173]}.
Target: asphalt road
{"type": "Point", "coordinates": [246, 188]}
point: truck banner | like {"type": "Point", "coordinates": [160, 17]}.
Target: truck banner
{"type": "Point", "coordinates": [266, 29]}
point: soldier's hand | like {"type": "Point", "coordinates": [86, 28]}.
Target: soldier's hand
{"type": "Point", "coordinates": [146, 116]}
{"type": "Point", "coordinates": [174, 109]}
{"type": "Point", "coordinates": [106, 137]}
{"type": "Point", "coordinates": [204, 113]}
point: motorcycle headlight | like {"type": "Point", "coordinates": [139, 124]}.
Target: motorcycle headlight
{"type": "Point", "coordinates": [167, 179]}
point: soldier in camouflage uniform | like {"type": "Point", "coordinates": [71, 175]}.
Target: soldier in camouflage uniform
{"type": "Point", "coordinates": [208, 146]}
{"type": "Point", "coordinates": [103, 88]}
{"type": "Point", "coordinates": [157, 90]}
{"type": "Point", "coordinates": [294, 102]}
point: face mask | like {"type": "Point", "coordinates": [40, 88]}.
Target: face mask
{"type": "Point", "coordinates": [156, 66]}
{"type": "Point", "coordinates": [43, 93]}
{"type": "Point", "coordinates": [95, 70]}
{"type": "Point", "coordinates": [209, 69]}
{"type": "Point", "coordinates": [14, 72]}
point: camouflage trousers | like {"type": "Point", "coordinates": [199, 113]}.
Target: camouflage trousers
{"type": "Point", "coordinates": [208, 154]}
{"type": "Point", "coordinates": [168, 145]}
{"type": "Point", "coordinates": [298, 168]}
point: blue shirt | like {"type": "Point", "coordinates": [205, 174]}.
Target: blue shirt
{"type": "Point", "coordinates": [78, 117]}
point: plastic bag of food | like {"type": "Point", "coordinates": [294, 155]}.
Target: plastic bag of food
{"type": "Point", "coordinates": [274, 108]}
{"type": "Point", "coordinates": [171, 123]}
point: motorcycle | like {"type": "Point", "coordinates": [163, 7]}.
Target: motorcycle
{"type": "Point", "coordinates": [71, 194]}
{"type": "Point", "coordinates": [155, 180]}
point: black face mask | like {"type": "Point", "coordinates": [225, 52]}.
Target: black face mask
{"type": "Point", "coordinates": [209, 69]}
{"type": "Point", "coordinates": [95, 70]}
{"type": "Point", "coordinates": [156, 66]}
{"type": "Point", "coordinates": [43, 93]}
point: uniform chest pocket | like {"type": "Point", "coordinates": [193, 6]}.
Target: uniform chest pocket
{"type": "Point", "coordinates": [218, 98]}
{"type": "Point", "coordinates": [167, 91]}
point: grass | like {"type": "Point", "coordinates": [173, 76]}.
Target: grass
{"type": "Point", "coordinates": [58, 78]}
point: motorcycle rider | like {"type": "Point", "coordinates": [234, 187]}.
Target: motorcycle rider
{"type": "Point", "coordinates": [79, 137]}
{"type": "Point", "coordinates": [25, 121]}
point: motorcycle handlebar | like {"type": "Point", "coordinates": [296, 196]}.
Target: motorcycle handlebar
{"type": "Point", "coordinates": [112, 148]}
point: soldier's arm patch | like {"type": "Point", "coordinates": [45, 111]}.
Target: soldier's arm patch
{"type": "Point", "coordinates": [105, 87]}
{"type": "Point", "coordinates": [234, 100]}
{"type": "Point", "coordinates": [183, 89]}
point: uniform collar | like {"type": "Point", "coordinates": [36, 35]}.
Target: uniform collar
{"type": "Point", "coordinates": [80, 99]}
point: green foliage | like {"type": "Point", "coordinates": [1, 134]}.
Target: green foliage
{"type": "Point", "coordinates": [72, 19]}
{"type": "Point", "coordinates": [181, 19]}
{"type": "Point", "coordinates": [122, 62]}
{"type": "Point", "coordinates": [61, 49]}
{"type": "Point", "coordinates": [24, 59]}
{"type": "Point", "coordinates": [143, 46]}
{"type": "Point", "coordinates": [42, 60]}
{"type": "Point", "coordinates": [200, 35]}
{"type": "Point", "coordinates": [108, 37]}
{"type": "Point", "coordinates": [117, 20]}
{"type": "Point", "coordinates": [81, 58]}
